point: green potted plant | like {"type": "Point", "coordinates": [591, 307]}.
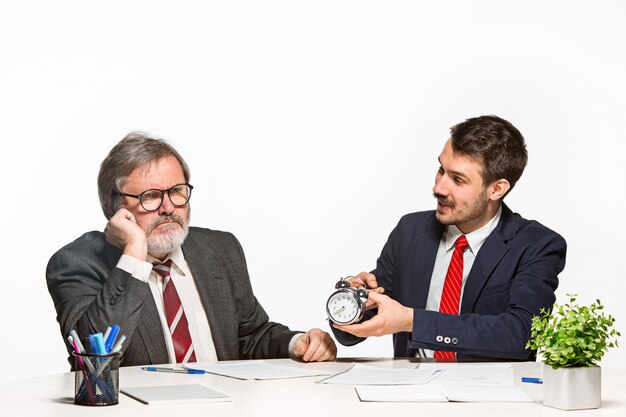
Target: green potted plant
{"type": "Point", "coordinates": [571, 340]}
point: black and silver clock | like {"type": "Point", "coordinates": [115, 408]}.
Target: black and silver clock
{"type": "Point", "coordinates": [347, 304]}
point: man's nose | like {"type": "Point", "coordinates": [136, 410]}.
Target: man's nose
{"type": "Point", "coordinates": [167, 207]}
{"type": "Point", "coordinates": [440, 187]}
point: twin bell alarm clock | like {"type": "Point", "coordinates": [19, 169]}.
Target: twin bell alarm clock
{"type": "Point", "coordinates": [347, 304]}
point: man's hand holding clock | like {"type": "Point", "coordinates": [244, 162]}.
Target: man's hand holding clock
{"type": "Point", "coordinates": [392, 316]}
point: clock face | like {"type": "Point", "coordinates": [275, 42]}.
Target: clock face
{"type": "Point", "coordinates": [343, 308]}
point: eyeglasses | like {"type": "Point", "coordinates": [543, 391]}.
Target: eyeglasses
{"type": "Point", "coordinates": [152, 199]}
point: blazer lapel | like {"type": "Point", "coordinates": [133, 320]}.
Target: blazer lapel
{"type": "Point", "coordinates": [491, 253]}
{"type": "Point", "coordinates": [425, 253]}
{"type": "Point", "coordinates": [215, 294]}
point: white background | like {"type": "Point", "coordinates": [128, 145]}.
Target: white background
{"type": "Point", "coordinates": [309, 127]}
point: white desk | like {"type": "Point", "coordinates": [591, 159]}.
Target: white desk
{"type": "Point", "coordinates": [301, 397]}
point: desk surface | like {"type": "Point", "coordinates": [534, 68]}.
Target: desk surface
{"type": "Point", "coordinates": [300, 397]}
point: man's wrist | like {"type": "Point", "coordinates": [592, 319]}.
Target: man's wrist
{"type": "Point", "coordinates": [137, 250]}
{"type": "Point", "coordinates": [138, 269]}
{"type": "Point", "coordinates": [408, 319]}
{"type": "Point", "coordinates": [292, 343]}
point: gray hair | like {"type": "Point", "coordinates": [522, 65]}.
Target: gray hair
{"type": "Point", "coordinates": [137, 149]}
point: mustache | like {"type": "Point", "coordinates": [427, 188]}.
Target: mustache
{"type": "Point", "coordinates": [167, 218]}
{"type": "Point", "coordinates": [443, 201]}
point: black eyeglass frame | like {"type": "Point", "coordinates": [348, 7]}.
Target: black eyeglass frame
{"type": "Point", "coordinates": [140, 196]}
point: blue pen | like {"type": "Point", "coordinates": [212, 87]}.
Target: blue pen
{"type": "Point", "coordinates": [532, 380]}
{"type": "Point", "coordinates": [178, 371]}
{"type": "Point", "coordinates": [111, 339]}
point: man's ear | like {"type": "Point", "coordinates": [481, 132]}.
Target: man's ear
{"type": "Point", "coordinates": [498, 189]}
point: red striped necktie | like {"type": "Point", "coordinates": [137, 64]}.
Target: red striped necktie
{"type": "Point", "coordinates": [175, 315]}
{"type": "Point", "coordinates": [452, 286]}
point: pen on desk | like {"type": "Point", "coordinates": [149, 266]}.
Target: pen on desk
{"type": "Point", "coordinates": [178, 371]}
{"type": "Point", "coordinates": [532, 380]}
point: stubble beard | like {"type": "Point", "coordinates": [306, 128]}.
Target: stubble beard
{"type": "Point", "coordinates": [476, 210]}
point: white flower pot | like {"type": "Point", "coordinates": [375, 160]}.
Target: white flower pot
{"type": "Point", "coordinates": [572, 388]}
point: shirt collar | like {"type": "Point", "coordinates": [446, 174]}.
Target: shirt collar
{"type": "Point", "coordinates": [475, 238]}
{"type": "Point", "coordinates": [178, 261]}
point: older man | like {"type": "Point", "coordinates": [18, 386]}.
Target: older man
{"type": "Point", "coordinates": [179, 293]}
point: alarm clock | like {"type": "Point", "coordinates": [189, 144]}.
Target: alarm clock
{"type": "Point", "coordinates": [347, 304]}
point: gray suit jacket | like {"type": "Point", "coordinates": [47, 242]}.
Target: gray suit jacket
{"type": "Point", "coordinates": [90, 293]}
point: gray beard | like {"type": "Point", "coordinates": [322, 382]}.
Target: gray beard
{"type": "Point", "coordinates": [166, 244]}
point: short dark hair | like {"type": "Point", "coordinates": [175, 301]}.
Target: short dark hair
{"type": "Point", "coordinates": [496, 142]}
{"type": "Point", "coordinates": [137, 149]}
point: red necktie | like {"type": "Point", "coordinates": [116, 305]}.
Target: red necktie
{"type": "Point", "coordinates": [452, 286]}
{"type": "Point", "coordinates": [175, 315]}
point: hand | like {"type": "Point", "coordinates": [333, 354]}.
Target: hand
{"type": "Point", "coordinates": [392, 318]}
{"type": "Point", "coordinates": [371, 284]}
{"type": "Point", "coordinates": [123, 232]}
{"type": "Point", "coordinates": [315, 346]}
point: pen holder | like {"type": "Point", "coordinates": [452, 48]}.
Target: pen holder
{"type": "Point", "coordinates": [96, 378]}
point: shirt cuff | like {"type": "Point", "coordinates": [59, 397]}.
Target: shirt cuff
{"type": "Point", "coordinates": [293, 342]}
{"type": "Point", "coordinates": [138, 269]}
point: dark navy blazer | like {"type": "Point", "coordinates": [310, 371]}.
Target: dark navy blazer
{"type": "Point", "coordinates": [513, 277]}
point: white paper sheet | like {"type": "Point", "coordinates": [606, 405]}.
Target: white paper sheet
{"type": "Point", "coordinates": [475, 393]}
{"type": "Point", "coordinates": [255, 370]}
{"type": "Point", "coordinates": [472, 374]}
{"type": "Point", "coordinates": [435, 392]}
{"type": "Point", "coordinates": [360, 374]}
{"type": "Point", "coordinates": [401, 393]}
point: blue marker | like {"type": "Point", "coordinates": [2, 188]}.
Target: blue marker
{"type": "Point", "coordinates": [100, 344]}
{"type": "Point", "coordinates": [111, 339]}
{"type": "Point", "coordinates": [178, 371]}
{"type": "Point", "coordinates": [93, 343]}
{"type": "Point", "coordinates": [532, 380]}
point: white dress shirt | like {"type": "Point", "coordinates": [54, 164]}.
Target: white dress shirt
{"type": "Point", "coordinates": [199, 328]}
{"type": "Point", "coordinates": [444, 256]}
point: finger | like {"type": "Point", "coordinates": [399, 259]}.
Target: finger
{"type": "Point", "coordinates": [311, 350]}
{"type": "Point", "coordinates": [377, 297]}
{"type": "Point", "coordinates": [326, 349]}
{"type": "Point", "coordinates": [369, 279]}
{"type": "Point", "coordinates": [365, 329]}
{"type": "Point", "coordinates": [299, 348]}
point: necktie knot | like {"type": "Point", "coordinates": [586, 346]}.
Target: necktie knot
{"type": "Point", "coordinates": [461, 243]}
{"type": "Point", "coordinates": [163, 269]}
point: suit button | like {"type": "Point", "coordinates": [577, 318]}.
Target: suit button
{"type": "Point", "coordinates": [455, 340]}
{"type": "Point", "coordinates": [446, 340]}
{"type": "Point", "coordinates": [439, 338]}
